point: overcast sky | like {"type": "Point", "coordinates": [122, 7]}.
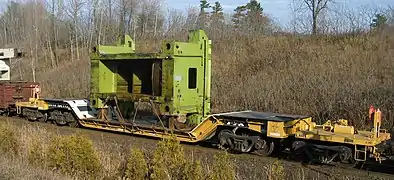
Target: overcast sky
{"type": "Point", "coordinates": [278, 9]}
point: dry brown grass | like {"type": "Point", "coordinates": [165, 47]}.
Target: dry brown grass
{"type": "Point", "coordinates": [325, 77]}
{"type": "Point", "coordinates": [28, 162]}
{"type": "Point", "coordinates": [17, 168]}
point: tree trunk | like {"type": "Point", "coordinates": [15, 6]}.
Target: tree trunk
{"type": "Point", "coordinates": [155, 29]}
{"type": "Point", "coordinates": [71, 46]}
{"type": "Point", "coordinates": [76, 29]}
{"type": "Point", "coordinates": [314, 24]}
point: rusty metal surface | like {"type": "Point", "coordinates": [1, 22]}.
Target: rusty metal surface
{"type": "Point", "coordinates": [13, 91]}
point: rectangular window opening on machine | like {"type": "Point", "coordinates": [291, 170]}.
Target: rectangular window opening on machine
{"type": "Point", "coordinates": [139, 76]}
{"type": "Point", "coordinates": [192, 78]}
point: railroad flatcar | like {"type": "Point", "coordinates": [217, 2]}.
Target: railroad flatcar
{"type": "Point", "coordinates": [167, 93]}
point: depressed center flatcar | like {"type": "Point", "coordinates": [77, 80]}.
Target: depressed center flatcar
{"type": "Point", "coordinates": [167, 93]}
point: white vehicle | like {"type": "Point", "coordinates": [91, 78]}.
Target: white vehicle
{"type": "Point", "coordinates": [69, 111]}
{"type": "Point", "coordinates": [82, 108]}
{"type": "Point", "coordinates": [60, 111]}
{"type": "Point", "coordinates": [6, 54]}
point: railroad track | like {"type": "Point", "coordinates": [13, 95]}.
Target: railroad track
{"type": "Point", "coordinates": [203, 151]}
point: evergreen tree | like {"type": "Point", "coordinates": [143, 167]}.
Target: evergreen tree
{"type": "Point", "coordinates": [239, 17]}
{"type": "Point", "coordinates": [217, 8]}
{"type": "Point", "coordinates": [217, 12]}
{"type": "Point", "coordinates": [379, 21]}
{"type": "Point", "coordinates": [203, 5]}
{"type": "Point", "coordinates": [254, 7]}
{"type": "Point", "coordinates": [204, 16]}
{"type": "Point", "coordinates": [255, 19]}
{"type": "Point", "coordinates": [250, 18]}
{"type": "Point", "coordinates": [217, 25]}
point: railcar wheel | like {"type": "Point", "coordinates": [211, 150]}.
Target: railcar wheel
{"type": "Point", "coordinates": [70, 119]}
{"type": "Point", "coordinates": [228, 140]}
{"type": "Point", "coordinates": [58, 118]}
{"type": "Point", "coordinates": [44, 118]}
{"type": "Point", "coordinates": [298, 151]}
{"type": "Point", "coordinates": [346, 158]}
{"type": "Point", "coordinates": [7, 113]}
{"type": "Point", "coordinates": [60, 122]}
{"type": "Point", "coordinates": [264, 148]}
{"type": "Point", "coordinates": [73, 124]}
{"type": "Point", "coordinates": [224, 141]}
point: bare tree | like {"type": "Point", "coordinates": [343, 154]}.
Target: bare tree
{"type": "Point", "coordinates": [150, 18]}
{"type": "Point", "coordinates": [31, 21]}
{"type": "Point", "coordinates": [175, 20]}
{"type": "Point", "coordinates": [192, 18]}
{"type": "Point", "coordinates": [315, 7]}
{"type": "Point", "coordinates": [52, 35]}
{"type": "Point", "coordinates": [390, 14]}
{"type": "Point", "coordinates": [127, 16]}
{"type": "Point", "coordinates": [73, 12]}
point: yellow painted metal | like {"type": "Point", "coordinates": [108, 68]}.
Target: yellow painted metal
{"type": "Point", "coordinates": [200, 132]}
{"type": "Point", "coordinates": [361, 138]}
{"type": "Point", "coordinates": [206, 128]}
{"type": "Point", "coordinates": [343, 129]}
{"type": "Point", "coordinates": [150, 132]}
{"type": "Point", "coordinates": [340, 132]}
{"type": "Point", "coordinates": [292, 127]}
{"type": "Point", "coordinates": [276, 129]}
{"type": "Point", "coordinates": [255, 126]}
{"type": "Point", "coordinates": [331, 131]}
{"type": "Point", "coordinates": [33, 103]}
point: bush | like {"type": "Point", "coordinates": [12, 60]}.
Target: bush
{"type": "Point", "coordinates": [37, 153]}
{"type": "Point", "coordinates": [275, 171]}
{"type": "Point", "coordinates": [223, 167]}
{"type": "Point", "coordinates": [169, 162]}
{"type": "Point", "coordinates": [74, 155]}
{"type": "Point", "coordinates": [8, 139]}
{"type": "Point", "coordinates": [192, 170]}
{"type": "Point", "coordinates": [137, 167]}
{"type": "Point", "coordinates": [168, 159]}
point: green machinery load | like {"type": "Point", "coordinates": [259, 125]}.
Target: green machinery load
{"type": "Point", "coordinates": [175, 82]}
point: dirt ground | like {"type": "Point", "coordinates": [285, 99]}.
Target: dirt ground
{"type": "Point", "coordinates": [248, 166]}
